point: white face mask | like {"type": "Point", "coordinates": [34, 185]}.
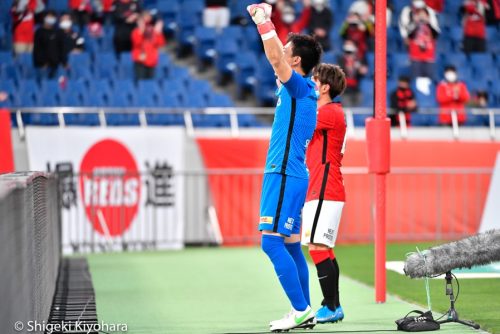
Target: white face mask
{"type": "Point", "coordinates": [319, 5]}
{"type": "Point", "coordinates": [288, 18]}
{"type": "Point", "coordinates": [50, 20]}
{"type": "Point", "coordinates": [66, 24]}
{"type": "Point", "coordinates": [450, 76]}
{"type": "Point", "coordinates": [271, 2]}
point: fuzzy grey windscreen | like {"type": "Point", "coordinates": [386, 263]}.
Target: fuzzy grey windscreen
{"type": "Point", "coordinates": [30, 237]}
{"type": "Point", "coordinates": [479, 249]}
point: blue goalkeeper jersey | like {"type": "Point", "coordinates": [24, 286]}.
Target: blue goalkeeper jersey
{"type": "Point", "coordinates": [293, 127]}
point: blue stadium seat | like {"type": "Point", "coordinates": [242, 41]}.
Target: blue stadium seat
{"type": "Point", "coordinates": [252, 39]}
{"type": "Point", "coordinates": [246, 64]}
{"type": "Point", "coordinates": [226, 55]}
{"type": "Point", "coordinates": [193, 7]}
{"type": "Point", "coordinates": [10, 72]}
{"type": "Point", "coordinates": [119, 99]}
{"type": "Point", "coordinates": [126, 66]}
{"type": "Point", "coordinates": [426, 100]}
{"type": "Point", "coordinates": [180, 74]}
{"type": "Point", "coordinates": [220, 100]}
{"type": "Point", "coordinates": [72, 98]}
{"type": "Point", "coordinates": [105, 66]}
{"type": "Point", "coordinates": [125, 119]}
{"type": "Point", "coordinates": [456, 35]}
{"type": "Point", "coordinates": [6, 57]}
{"type": "Point", "coordinates": [8, 86]}
{"type": "Point", "coordinates": [148, 100]}
{"type": "Point", "coordinates": [195, 101]}
{"type": "Point", "coordinates": [481, 60]}
{"type": "Point", "coordinates": [60, 6]}
{"type": "Point", "coordinates": [458, 59]}
{"type": "Point", "coordinates": [78, 85]}
{"type": "Point", "coordinates": [28, 85]}
{"type": "Point", "coordinates": [234, 33]}
{"type": "Point", "coordinates": [169, 10]}
{"type": "Point", "coordinates": [198, 87]}
{"type": "Point", "coordinates": [205, 43]}
{"type": "Point", "coordinates": [476, 120]}
{"type": "Point", "coordinates": [359, 119]}
{"type": "Point", "coordinates": [26, 98]}
{"type": "Point", "coordinates": [418, 119]}
{"type": "Point", "coordinates": [49, 99]}
{"type": "Point", "coordinates": [96, 99]}
{"type": "Point", "coordinates": [249, 120]}
{"type": "Point", "coordinates": [187, 23]}
{"type": "Point", "coordinates": [124, 86]}
{"type": "Point", "coordinates": [266, 87]}
{"type": "Point", "coordinates": [164, 119]}
{"type": "Point", "coordinates": [42, 119]}
{"type": "Point", "coordinates": [170, 100]}
{"type": "Point", "coordinates": [49, 86]}
{"type": "Point", "coordinates": [86, 119]}
{"type": "Point", "coordinates": [79, 60]}
{"type": "Point", "coordinates": [399, 64]}
{"type": "Point", "coordinates": [148, 87]}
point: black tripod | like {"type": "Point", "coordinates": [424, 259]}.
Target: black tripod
{"type": "Point", "coordinates": [452, 315]}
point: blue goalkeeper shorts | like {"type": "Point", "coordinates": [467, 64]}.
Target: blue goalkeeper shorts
{"type": "Point", "coordinates": [281, 203]}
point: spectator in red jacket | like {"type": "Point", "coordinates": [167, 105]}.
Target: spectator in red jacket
{"type": "Point", "coordinates": [80, 10]}
{"type": "Point", "coordinates": [285, 19]}
{"type": "Point", "coordinates": [403, 100]}
{"type": "Point", "coordinates": [147, 39]}
{"type": "Point", "coordinates": [419, 28]}
{"type": "Point", "coordinates": [474, 22]}
{"type": "Point", "coordinates": [452, 95]}
{"type": "Point", "coordinates": [23, 20]}
{"type": "Point", "coordinates": [437, 5]}
{"type": "Point", "coordinates": [357, 30]}
{"type": "Point", "coordinates": [354, 68]}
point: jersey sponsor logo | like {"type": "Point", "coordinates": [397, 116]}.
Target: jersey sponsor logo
{"type": "Point", "coordinates": [289, 223]}
{"type": "Point", "coordinates": [266, 220]}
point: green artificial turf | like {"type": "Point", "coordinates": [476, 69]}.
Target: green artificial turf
{"type": "Point", "coordinates": [479, 299]}
{"type": "Point", "coordinates": [223, 290]}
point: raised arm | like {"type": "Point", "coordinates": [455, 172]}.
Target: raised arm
{"type": "Point", "coordinates": [261, 15]}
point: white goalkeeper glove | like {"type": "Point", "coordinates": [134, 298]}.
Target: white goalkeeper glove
{"type": "Point", "coordinates": [261, 16]}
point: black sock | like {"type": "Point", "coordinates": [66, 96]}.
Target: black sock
{"type": "Point", "coordinates": [335, 281]}
{"type": "Point", "coordinates": [327, 275]}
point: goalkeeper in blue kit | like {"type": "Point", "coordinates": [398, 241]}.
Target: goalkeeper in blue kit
{"type": "Point", "coordinates": [286, 176]}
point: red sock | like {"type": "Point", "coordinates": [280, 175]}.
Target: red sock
{"type": "Point", "coordinates": [319, 256]}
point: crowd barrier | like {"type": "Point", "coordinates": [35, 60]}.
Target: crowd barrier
{"type": "Point", "coordinates": [221, 206]}
{"type": "Point", "coordinates": [30, 235]}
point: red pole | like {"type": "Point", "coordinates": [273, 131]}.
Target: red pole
{"type": "Point", "coordinates": [378, 143]}
{"type": "Point", "coordinates": [6, 151]}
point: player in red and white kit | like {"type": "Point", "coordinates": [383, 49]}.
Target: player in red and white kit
{"type": "Point", "coordinates": [326, 195]}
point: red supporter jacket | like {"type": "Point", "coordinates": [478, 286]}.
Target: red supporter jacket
{"type": "Point", "coordinates": [283, 29]}
{"type": "Point", "coordinates": [452, 96]}
{"type": "Point", "coordinates": [324, 155]}
{"type": "Point", "coordinates": [145, 50]}
{"type": "Point", "coordinates": [437, 5]}
{"type": "Point", "coordinates": [24, 24]}
{"type": "Point", "coordinates": [474, 20]}
{"type": "Point", "coordinates": [80, 5]}
{"type": "Point", "coordinates": [422, 44]}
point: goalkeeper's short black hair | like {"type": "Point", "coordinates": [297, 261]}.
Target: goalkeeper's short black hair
{"type": "Point", "coordinates": [308, 49]}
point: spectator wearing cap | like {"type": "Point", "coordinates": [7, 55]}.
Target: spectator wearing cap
{"type": "Point", "coordinates": [147, 39]}
{"type": "Point", "coordinates": [354, 69]}
{"type": "Point", "coordinates": [419, 28]}
{"type": "Point", "coordinates": [474, 23]}
{"type": "Point", "coordinates": [216, 14]}
{"type": "Point", "coordinates": [23, 24]}
{"type": "Point", "coordinates": [358, 31]}
{"type": "Point", "coordinates": [48, 47]}
{"type": "Point", "coordinates": [321, 22]}
{"type": "Point", "coordinates": [402, 101]}
{"type": "Point", "coordinates": [285, 19]}
{"type": "Point", "coordinates": [126, 13]}
{"type": "Point", "coordinates": [452, 95]}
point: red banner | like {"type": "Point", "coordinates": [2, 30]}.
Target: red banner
{"type": "Point", "coordinates": [420, 205]}
{"type": "Point", "coordinates": [6, 154]}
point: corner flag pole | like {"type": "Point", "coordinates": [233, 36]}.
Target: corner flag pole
{"type": "Point", "coordinates": [378, 144]}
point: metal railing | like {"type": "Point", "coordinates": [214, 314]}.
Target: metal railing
{"type": "Point", "coordinates": [222, 207]}
{"type": "Point", "coordinates": [264, 114]}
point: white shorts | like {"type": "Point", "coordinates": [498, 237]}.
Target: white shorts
{"type": "Point", "coordinates": [322, 229]}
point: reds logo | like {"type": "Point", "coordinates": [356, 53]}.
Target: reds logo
{"type": "Point", "coordinates": [110, 187]}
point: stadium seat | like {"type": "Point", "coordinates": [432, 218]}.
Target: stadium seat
{"type": "Point", "coordinates": [60, 6]}
{"type": "Point", "coordinates": [96, 99]}
{"type": "Point", "coordinates": [266, 87]}
{"type": "Point", "coordinates": [195, 101]}
{"type": "Point", "coordinates": [10, 72]}
{"type": "Point", "coordinates": [234, 33]}
{"type": "Point", "coordinates": [8, 86]}
{"type": "Point", "coordinates": [28, 85]}
{"type": "Point", "coordinates": [187, 22]}
{"type": "Point", "coordinates": [476, 120]}
{"type": "Point", "coordinates": [180, 74]}
{"type": "Point", "coordinates": [246, 64]}
{"type": "Point", "coordinates": [169, 11]}
{"type": "Point", "coordinates": [25, 98]}
{"type": "Point", "coordinates": [124, 86]}
{"type": "Point", "coordinates": [86, 119]}
{"type": "Point", "coordinates": [125, 66]}
{"type": "Point", "coordinates": [205, 43]}
{"type": "Point", "coordinates": [72, 98]}
{"type": "Point", "coordinates": [49, 86]}
{"type": "Point", "coordinates": [226, 55]}
{"type": "Point", "coordinates": [146, 101]}
{"type": "Point", "coordinates": [249, 120]}
{"type": "Point", "coordinates": [164, 119]}
{"type": "Point", "coordinates": [49, 99]}
{"type": "Point", "coordinates": [360, 119]}
{"type": "Point", "coordinates": [119, 99]}
{"type": "Point", "coordinates": [105, 66]}
{"type": "Point", "coordinates": [220, 100]}
{"type": "Point", "coordinates": [199, 87]}
{"type": "Point", "coordinates": [6, 57]}
{"type": "Point", "coordinates": [122, 119]}
{"type": "Point", "coordinates": [252, 39]}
